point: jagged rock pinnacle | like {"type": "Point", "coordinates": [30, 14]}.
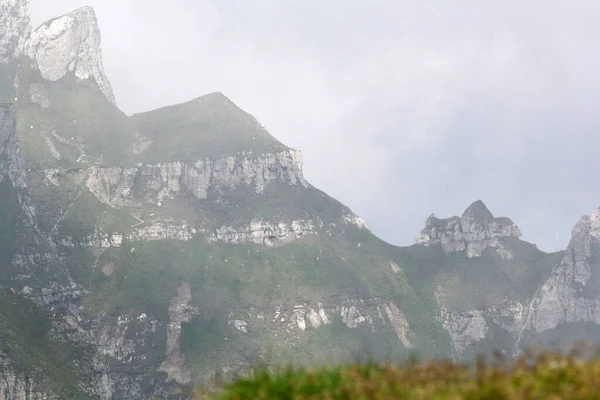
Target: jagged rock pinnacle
{"type": "Point", "coordinates": [478, 211]}
{"type": "Point", "coordinates": [70, 44]}
{"type": "Point", "coordinates": [588, 225]}
{"type": "Point", "coordinates": [14, 28]}
{"type": "Point", "coordinates": [565, 297]}
{"type": "Point", "coordinates": [476, 230]}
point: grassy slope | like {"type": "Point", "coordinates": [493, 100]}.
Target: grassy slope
{"type": "Point", "coordinates": [232, 278]}
{"type": "Point", "coordinates": [24, 329]}
{"type": "Point", "coordinates": [78, 113]}
{"type": "Point", "coordinates": [482, 282]}
{"type": "Point", "coordinates": [209, 126]}
{"type": "Point", "coordinates": [540, 376]}
{"type": "Point", "coordinates": [423, 311]}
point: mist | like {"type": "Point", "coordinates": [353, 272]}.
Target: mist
{"type": "Point", "coordinates": [401, 108]}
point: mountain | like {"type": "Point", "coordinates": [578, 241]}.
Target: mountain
{"type": "Point", "coordinates": [142, 254]}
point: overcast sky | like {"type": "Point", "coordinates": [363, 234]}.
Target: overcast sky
{"type": "Point", "coordinates": [401, 108]}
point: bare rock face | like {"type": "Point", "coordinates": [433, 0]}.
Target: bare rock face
{"type": "Point", "coordinates": [14, 29]}
{"type": "Point", "coordinates": [113, 186]}
{"type": "Point", "coordinates": [568, 295]}
{"type": "Point", "coordinates": [7, 133]}
{"type": "Point", "coordinates": [476, 230]}
{"type": "Point", "coordinates": [70, 44]}
{"type": "Point", "coordinates": [180, 312]}
{"type": "Point", "coordinates": [265, 232]}
{"type": "Point", "coordinates": [469, 327]}
{"type": "Point", "coordinates": [289, 319]}
{"type": "Point", "coordinates": [16, 385]}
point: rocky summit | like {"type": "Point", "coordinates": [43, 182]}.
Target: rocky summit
{"type": "Point", "coordinates": [141, 255]}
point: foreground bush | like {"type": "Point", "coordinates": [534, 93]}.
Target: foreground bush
{"type": "Point", "coordinates": [546, 376]}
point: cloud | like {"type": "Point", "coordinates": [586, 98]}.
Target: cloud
{"type": "Point", "coordinates": [402, 108]}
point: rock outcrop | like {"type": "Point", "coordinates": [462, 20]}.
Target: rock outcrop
{"type": "Point", "coordinates": [14, 29]}
{"type": "Point", "coordinates": [476, 230]}
{"type": "Point", "coordinates": [18, 385]}
{"type": "Point", "coordinates": [115, 186]}
{"type": "Point", "coordinates": [373, 313]}
{"type": "Point", "coordinates": [7, 139]}
{"type": "Point", "coordinates": [11, 161]}
{"type": "Point", "coordinates": [180, 312]}
{"type": "Point", "coordinates": [263, 232]}
{"type": "Point", "coordinates": [70, 45]}
{"type": "Point", "coordinates": [467, 328]}
{"type": "Point", "coordinates": [571, 295]}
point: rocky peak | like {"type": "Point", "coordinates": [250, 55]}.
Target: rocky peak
{"type": "Point", "coordinates": [474, 232]}
{"type": "Point", "coordinates": [70, 44]}
{"type": "Point", "coordinates": [478, 212]}
{"type": "Point", "coordinates": [14, 28]}
{"type": "Point", "coordinates": [570, 295]}
{"type": "Point", "coordinates": [587, 226]}
{"type": "Point", "coordinates": [216, 97]}
{"type": "Point", "coordinates": [584, 236]}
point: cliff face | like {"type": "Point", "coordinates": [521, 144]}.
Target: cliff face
{"type": "Point", "coordinates": [70, 45]}
{"type": "Point", "coordinates": [14, 29]}
{"type": "Point", "coordinates": [116, 186]}
{"type": "Point", "coordinates": [571, 293]}
{"type": "Point", "coordinates": [14, 385]}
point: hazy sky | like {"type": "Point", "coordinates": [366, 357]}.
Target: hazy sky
{"type": "Point", "coordinates": [401, 108]}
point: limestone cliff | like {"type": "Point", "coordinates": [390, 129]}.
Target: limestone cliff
{"type": "Point", "coordinates": [70, 45]}
{"type": "Point", "coordinates": [571, 294]}
{"type": "Point", "coordinates": [34, 250]}
{"type": "Point", "coordinates": [18, 385]}
{"type": "Point", "coordinates": [115, 186]}
{"type": "Point", "coordinates": [146, 191]}
{"type": "Point", "coordinates": [475, 231]}
{"type": "Point", "coordinates": [7, 141]}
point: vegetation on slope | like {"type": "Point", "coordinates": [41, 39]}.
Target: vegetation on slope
{"type": "Point", "coordinates": [25, 340]}
{"type": "Point", "coordinates": [231, 280]}
{"type": "Point", "coordinates": [79, 127]}
{"type": "Point", "coordinates": [544, 376]}
{"type": "Point", "coordinates": [209, 126]}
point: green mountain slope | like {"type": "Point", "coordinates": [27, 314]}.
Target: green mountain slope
{"type": "Point", "coordinates": [210, 126]}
